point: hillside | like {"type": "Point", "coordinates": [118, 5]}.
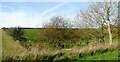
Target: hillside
{"type": "Point", "coordinates": [11, 47]}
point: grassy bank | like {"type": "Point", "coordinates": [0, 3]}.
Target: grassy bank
{"type": "Point", "coordinates": [10, 47]}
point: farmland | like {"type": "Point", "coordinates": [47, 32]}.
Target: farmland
{"type": "Point", "coordinates": [31, 33]}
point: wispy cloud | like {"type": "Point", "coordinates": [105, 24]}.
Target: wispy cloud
{"type": "Point", "coordinates": [53, 8]}
{"type": "Point", "coordinates": [20, 18]}
{"type": "Point", "coordinates": [8, 7]}
{"type": "Point", "coordinates": [31, 15]}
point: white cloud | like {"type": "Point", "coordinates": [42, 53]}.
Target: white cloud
{"type": "Point", "coordinates": [20, 19]}
{"type": "Point", "coordinates": [53, 8]}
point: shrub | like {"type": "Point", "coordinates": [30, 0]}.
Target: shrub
{"type": "Point", "coordinates": [16, 33]}
{"type": "Point", "coordinates": [59, 37]}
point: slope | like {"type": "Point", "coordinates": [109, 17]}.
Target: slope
{"type": "Point", "coordinates": [11, 47]}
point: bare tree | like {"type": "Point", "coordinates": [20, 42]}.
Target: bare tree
{"type": "Point", "coordinates": [58, 22]}
{"type": "Point", "coordinates": [100, 14]}
{"type": "Point", "coordinates": [57, 31]}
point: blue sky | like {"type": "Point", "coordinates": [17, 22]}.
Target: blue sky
{"type": "Point", "coordinates": [32, 14]}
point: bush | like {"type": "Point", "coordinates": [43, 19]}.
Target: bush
{"type": "Point", "coordinates": [59, 37]}
{"type": "Point", "coordinates": [16, 33]}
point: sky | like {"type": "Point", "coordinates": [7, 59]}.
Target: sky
{"type": "Point", "coordinates": [34, 14]}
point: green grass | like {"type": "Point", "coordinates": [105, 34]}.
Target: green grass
{"type": "Point", "coordinates": [105, 56]}
{"type": "Point", "coordinates": [31, 34]}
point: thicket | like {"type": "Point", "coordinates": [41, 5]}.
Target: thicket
{"type": "Point", "coordinates": [59, 32]}
{"type": "Point", "coordinates": [59, 37]}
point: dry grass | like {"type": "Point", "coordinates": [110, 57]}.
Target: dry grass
{"type": "Point", "coordinates": [89, 48]}
{"type": "Point", "coordinates": [10, 47]}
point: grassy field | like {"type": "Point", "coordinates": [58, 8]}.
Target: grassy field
{"type": "Point", "coordinates": [31, 33]}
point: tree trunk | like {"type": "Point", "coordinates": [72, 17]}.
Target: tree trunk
{"type": "Point", "coordinates": [102, 34]}
{"type": "Point", "coordinates": [110, 34]}
{"type": "Point", "coordinates": [108, 20]}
